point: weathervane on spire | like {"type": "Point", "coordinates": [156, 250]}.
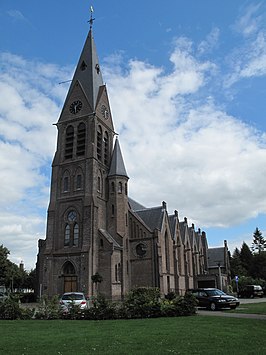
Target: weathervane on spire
{"type": "Point", "coordinates": [91, 19]}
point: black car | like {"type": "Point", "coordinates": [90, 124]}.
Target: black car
{"type": "Point", "coordinates": [213, 299]}
{"type": "Point", "coordinates": [251, 291]}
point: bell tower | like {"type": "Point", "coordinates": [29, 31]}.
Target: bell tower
{"type": "Point", "coordinates": [79, 206]}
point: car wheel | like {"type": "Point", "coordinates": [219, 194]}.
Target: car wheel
{"type": "Point", "coordinates": [212, 306]}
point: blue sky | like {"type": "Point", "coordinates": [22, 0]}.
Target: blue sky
{"type": "Point", "coordinates": [187, 87]}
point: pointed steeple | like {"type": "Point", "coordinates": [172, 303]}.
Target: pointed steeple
{"type": "Point", "coordinates": [88, 72]}
{"type": "Point", "coordinates": [117, 167]}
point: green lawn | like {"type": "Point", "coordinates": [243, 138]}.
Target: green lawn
{"type": "Point", "coordinates": [182, 335]}
{"type": "Point", "coordinates": [256, 308]}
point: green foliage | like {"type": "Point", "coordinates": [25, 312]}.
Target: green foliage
{"type": "Point", "coordinates": [13, 277]}
{"type": "Point", "coordinates": [142, 303]}
{"type": "Point", "coordinates": [246, 258]}
{"type": "Point", "coordinates": [48, 309]}
{"type": "Point", "coordinates": [139, 303]}
{"type": "Point", "coordinates": [96, 278]}
{"type": "Point", "coordinates": [245, 264]}
{"type": "Point", "coordinates": [236, 264]}
{"type": "Point", "coordinates": [258, 267]}
{"type": "Point", "coordinates": [10, 309]}
{"type": "Point", "coordinates": [101, 309]}
{"type": "Point", "coordinates": [259, 244]}
{"type": "Point", "coordinates": [248, 280]}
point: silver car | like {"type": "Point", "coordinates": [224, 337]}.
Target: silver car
{"type": "Point", "coordinates": [70, 299]}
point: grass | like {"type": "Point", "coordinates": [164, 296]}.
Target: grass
{"type": "Point", "coordinates": [249, 308]}
{"type": "Point", "coordinates": [182, 335]}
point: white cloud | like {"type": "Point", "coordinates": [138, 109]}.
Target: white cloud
{"type": "Point", "coordinates": [30, 103]}
{"type": "Point", "coordinates": [249, 19]}
{"type": "Point", "coordinates": [210, 42]}
{"type": "Point", "coordinates": [16, 15]}
{"type": "Point", "coordinates": [249, 58]}
{"type": "Point", "coordinates": [183, 150]}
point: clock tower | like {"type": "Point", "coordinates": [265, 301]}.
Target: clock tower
{"type": "Point", "coordinates": [88, 194]}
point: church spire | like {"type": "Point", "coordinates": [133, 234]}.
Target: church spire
{"type": "Point", "coordinates": [117, 167]}
{"type": "Point", "coordinates": [88, 71]}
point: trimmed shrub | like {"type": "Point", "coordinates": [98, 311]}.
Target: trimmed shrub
{"type": "Point", "coordinates": [10, 309]}
{"type": "Point", "coordinates": [48, 309]}
{"type": "Point", "coordinates": [142, 303]}
{"type": "Point", "coordinates": [101, 309]}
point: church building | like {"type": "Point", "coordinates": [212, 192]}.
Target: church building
{"type": "Point", "coordinates": [95, 231]}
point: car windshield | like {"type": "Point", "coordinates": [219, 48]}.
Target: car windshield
{"type": "Point", "coordinates": [72, 296]}
{"type": "Point", "coordinates": [215, 292]}
{"type": "Point", "coordinates": [257, 288]}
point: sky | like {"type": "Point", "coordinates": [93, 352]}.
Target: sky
{"type": "Point", "coordinates": [187, 84]}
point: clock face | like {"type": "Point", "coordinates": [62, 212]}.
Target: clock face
{"type": "Point", "coordinates": [72, 216]}
{"type": "Point", "coordinates": [75, 107]}
{"type": "Point", "coordinates": [141, 250]}
{"type": "Point", "coordinates": [105, 112]}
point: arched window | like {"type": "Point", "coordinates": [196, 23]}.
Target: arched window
{"type": "Point", "coordinates": [68, 268]}
{"type": "Point", "coordinates": [99, 142]}
{"type": "Point", "coordinates": [125, 188]}
{"type": "Point", "coordinates": [65, 184]}
{"type": "Point", "coordinates": [79, 182]}
{"type": "Point", "coordinates": [71, 237]}
{"type": "Point", "coordinates": [67, 235]}
{"type": "Point", "coordinates": [116, 273]}
{"type": "Point", "coordinates": [99, 184]}
{"type": "Point", "coordinates": [120, 187]}
{"type": "Point", "coordinates": [167, 252]}
{"type": "Point", "coordinates": [113, 210]}
{"type": "Point", "coordinates": [119, 272]}
{"type": "Point", "coordinates": [76, 235]}
{"type": "Point", "coordinates": [69, 142]}
{"type": "Point", "coordinates": [106, 144]}
{"type": "Point", "coordinates": [81, 139]}
{"type": "Point", "coordinates": [112, 187]}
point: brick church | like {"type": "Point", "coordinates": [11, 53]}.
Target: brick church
{"type": "Point", "coordinates": [94, 227]}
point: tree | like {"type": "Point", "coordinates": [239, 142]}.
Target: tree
{"type": "Point", "coordinates": [236, 264]}
{"type": "Point", "coordinates": [246, 257]}
{"type": "Point", "coordinates": [4, 264]}
{"type": "Point", "coordinates": [11, 276]}
{"type": "Point", "coordinates": [258, 241]}
{"type": "Point", "coordinates": [258, 268]}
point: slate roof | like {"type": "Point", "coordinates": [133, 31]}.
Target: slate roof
{"type": "Point", "coordinates": [117, 167]}
{"type": "Point", "coordinates": [198, 238]}
{"type": "Point", "coordinates": [182, 226]}
{"type": "Point", "coordinates": [134, 205]}
{"type": "Point", "coordinates": [88, 72]}
{"type": "Point", "coordinates": [172, 224]}
{"type": "Point", "coordinates": [191, 234]}
{"type": "Point", "coordinates": [110, 239]}
{"type": "Point", "coordinates": [215, 256]}
{"type": "Point", "coordinates": [152, 217]}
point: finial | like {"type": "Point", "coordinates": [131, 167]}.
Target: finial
{"type": "Point", "coordinates": [91, 19]}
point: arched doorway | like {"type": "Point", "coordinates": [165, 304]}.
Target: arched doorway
{"type": "Point", "coordinates": [70, 277]}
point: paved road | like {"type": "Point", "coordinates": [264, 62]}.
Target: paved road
{"type": "Point", "coordinates": [252, 300]}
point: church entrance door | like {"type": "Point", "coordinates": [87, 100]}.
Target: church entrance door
{"type": "Point", "coordinates": [70, 277]}
{"type": "Point", "coordinates": [70, 283]}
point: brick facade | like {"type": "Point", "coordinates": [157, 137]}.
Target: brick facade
{"type": "Point", "coordinates": [92, 224]}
